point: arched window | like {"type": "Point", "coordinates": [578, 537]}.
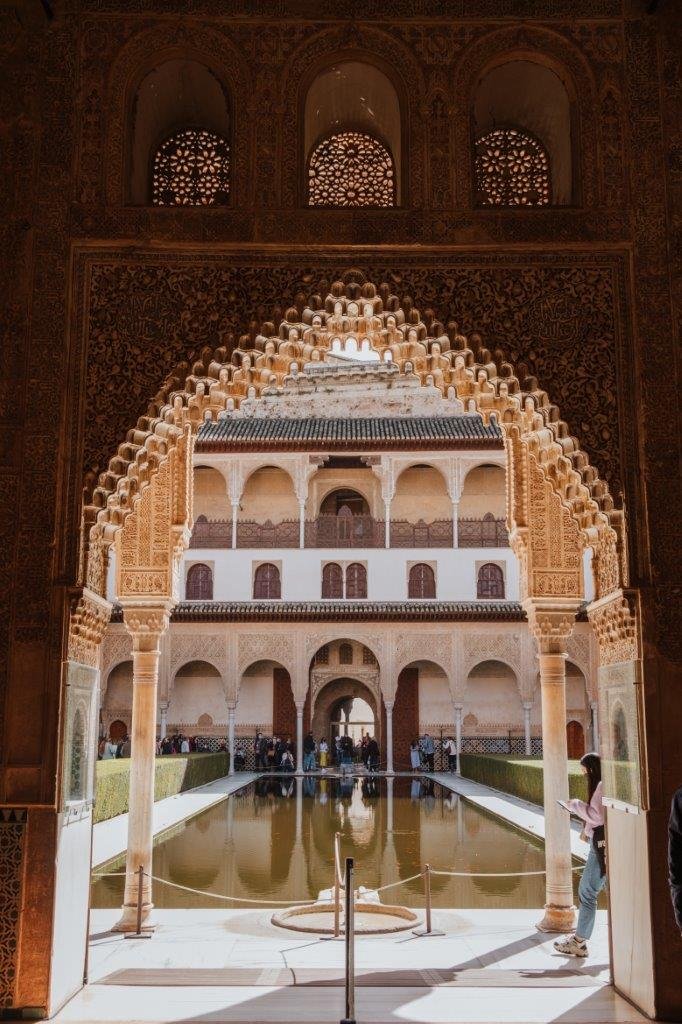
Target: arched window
{"type": "Point", "coordinates": [191, 168]}
{"type": "Point", "coordinates": [345, 654]}
{"type": "Point", "coordinates": [422, 582]}
{"type": "Point", "coordinates": [199, 586]}
{"type": "Point", "coordinates": [511, 169]}
{"type": "Point", "coordinates": [356, 581]}
{"type": "Point", "coordinates": [490, 582]}
{"type": "Point", "coordinates": [322, 656]}
{"type": "Point", "coordinates": [332, 581]}
{"type": "Point", "coordinates": [266, 582]}
{"type": "Point", "coordinates": [351, 168]}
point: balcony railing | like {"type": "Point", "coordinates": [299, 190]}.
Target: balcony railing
{"type": "Point", "coordinates": [211, 533]}
{"type": "Point", "coordinates": [482, 533]}
{"type": "Point", "coordinates": [268, 535]}
{"type": "Point", "coordinates": [421, 535]}
{"type": "Point", "coordinates": [344, 531]}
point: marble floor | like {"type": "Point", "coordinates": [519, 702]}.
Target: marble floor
{"type": "Point", "coordinates": [236, 966]}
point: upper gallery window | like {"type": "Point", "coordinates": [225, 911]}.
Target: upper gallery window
{"type": "Point", "coordinates": [490, 582]}
{"type": "Point", "coordinates": [192, 168]}
{"type": "Point", "coordinates": [421, 582]}
{"type": "Point", "coordinates": [351, 168]}
{"type": "Point", "coordinates": [267, 583]}
{"type": "Point", "coordinates": [199, 585]}
{"type": "Point", "coordinates": [512, 169]}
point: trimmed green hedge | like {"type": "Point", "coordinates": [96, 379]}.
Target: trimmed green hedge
{"type": "Point", "coordinates": [518, 775]}
{"type": "Point", "coordinates": [175, 773]}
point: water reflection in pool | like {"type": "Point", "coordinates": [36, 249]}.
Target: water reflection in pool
{"type": "Point", "coordinates": [273, 839]}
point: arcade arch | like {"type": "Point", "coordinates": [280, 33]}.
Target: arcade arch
{"type": "Point", "coordinates": [556, 505]}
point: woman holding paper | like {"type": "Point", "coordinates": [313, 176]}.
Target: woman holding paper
{"type": "Point", "coordinates": [593, 878]}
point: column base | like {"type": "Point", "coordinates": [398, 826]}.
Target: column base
{"type": "Point", "coordinates": [557, 919]}
{"type": "Point", "coordinates": [128, 920]}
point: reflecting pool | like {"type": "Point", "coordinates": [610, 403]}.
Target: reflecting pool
{"type": "Point", "coordinates": [273, 839]}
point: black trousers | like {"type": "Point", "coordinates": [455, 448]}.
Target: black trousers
{"type": "Point", "coordinates": [452, 762]}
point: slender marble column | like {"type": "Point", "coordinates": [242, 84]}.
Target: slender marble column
{"type": "Point", "coordinates": [235, 513]}
{"type": "Point", "coordinates": [455, 524]}
{"type": "Point", "coordinates": [387, 524]}
{"type": "Point", "coordinates": [299, 736]}
{"type": "Point", "coordinates": [559, 909]}
{"type": "Point", "coordinates": [527, 707]}
{"type": "Point", "coordinates": [231, 708]}
{"type": "Point", "coordinates": [146, 626]}
{"type": "Point", "coordinates": [388, 704]}
{"type": "Point", "coordinates": [163, 726]}
{"type": "Point", "coordinates": [594, 709]}
{"type": "Point", "coordinates": [458, 734]}
{"type": "Point", "coordinates": [301, 524]}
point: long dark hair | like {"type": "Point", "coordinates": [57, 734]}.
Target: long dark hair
{"type": "Point", "coordinates": [592, 765]}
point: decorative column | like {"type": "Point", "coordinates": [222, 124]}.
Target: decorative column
{"type": "Point", "coordinates": [387, 523]}
{"type": "Point", "coordinates": [388, 704]}
{"type": "Point", "coordinates": [299, 736]}
{"type": "Point", "coordinates": [301, 524]}
{"type": "Point", "coordinates": [459, 708]}
{"type": "Point", "coordinates": [235, 513]}
{"type": "Point", "coordinates": [594, 725]}
{"type": "Point", "coordinates": [455, 485]}
{"type": "Point", "coordinates": [235, 486]}
{"type": "Point", "coordinates": [146, 625]}
{"type": "Point", "coordinates": [551, 621]}
{"type": "Point", "coordinates": [163, 725]}
{"type": "Point", "coordinates": [527, 707]}
{"type": "Point", "coordinates": [231, 708]}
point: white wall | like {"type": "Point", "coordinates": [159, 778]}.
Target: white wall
{"type": "Point", "coordinates": [387, 571]}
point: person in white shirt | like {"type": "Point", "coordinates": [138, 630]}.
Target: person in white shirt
{"type": "Point", "coordinates": [450, 748]}
{"type": "Point", "coordinates": [110, 749]}
{"type": "Point", "coordinates": [184, 746]}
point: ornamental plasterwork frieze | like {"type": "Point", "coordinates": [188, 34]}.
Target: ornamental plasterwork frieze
{"type": "Point", "coordinates": [320, 677]}
{"type": "Point", "coordinates": [198, 647]}
{"type": "Point", "coordinates": [425, 646]}
{"type": "Point", "coordinates": [116, 648]}
{"type": "Point", "coordinates": [615, 626]}
{"type": "Point", "coordinates": [87, 625]}
{"type": "Point", "coordinates": [490, 646]}
{"type": "Point", "coordinates": [252, 647]}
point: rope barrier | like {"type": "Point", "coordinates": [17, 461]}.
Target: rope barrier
{"type": "Point", "coordinates": [310, 903]}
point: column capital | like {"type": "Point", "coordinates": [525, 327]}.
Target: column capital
{"type": "Point", "coordinates": [527, 705]}
{"type": "Point", "coordinates": [300, 704]}
{"type": "Point", "coordinates": [551, 622]}
{"type": "Point", "coordinates": [232, 706]}
{"type": "Point", "coordinates": [388, 704]}
{"type": "Point", "coordinates": [457, 705]}
{"type": "Point", "coordinates": [146, 618]}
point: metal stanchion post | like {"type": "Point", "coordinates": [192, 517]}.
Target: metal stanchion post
{"type": "Point", "coordinates": [139, 933]}
{"type": "Point", "coordinates": [427, 900]}
{"type": "Point", "coordinates": [350, 944]}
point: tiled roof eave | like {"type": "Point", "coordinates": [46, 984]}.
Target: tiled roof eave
{"type": "Point", "coordinates": [357, 444]}
{"type": "Point", "coordinates": [331, 611]}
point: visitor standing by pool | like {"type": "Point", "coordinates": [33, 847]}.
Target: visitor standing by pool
{"type": "Point", "coordinates": [309, 753]}
{"type": "Point", "coordinates": [415, 756]}
{"type": "Point", "coordinates": [593, 878]}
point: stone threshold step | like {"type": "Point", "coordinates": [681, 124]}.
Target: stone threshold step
{"type": "Point", "coordinates": [275, 977]}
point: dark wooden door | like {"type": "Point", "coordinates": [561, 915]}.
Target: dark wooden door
{"type": "Point", "coordinates": [575, 740]}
